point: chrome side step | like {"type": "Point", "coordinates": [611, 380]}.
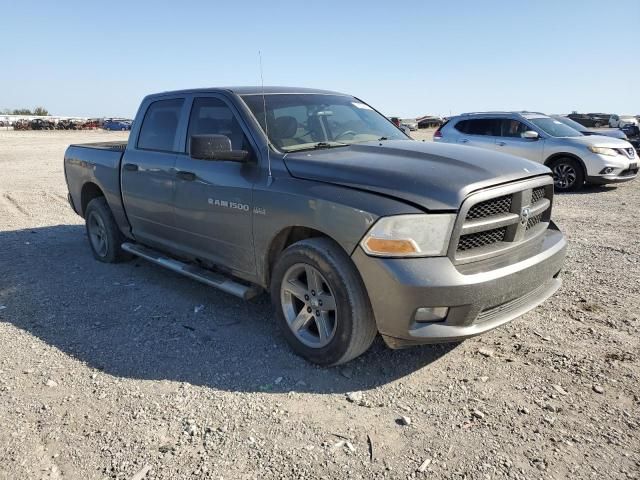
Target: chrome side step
{"type": "Point", "coordinates": [208, 277]}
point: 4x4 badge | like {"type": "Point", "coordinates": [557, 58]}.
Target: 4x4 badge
{"type": "Point", "coordinates": [524, 215]}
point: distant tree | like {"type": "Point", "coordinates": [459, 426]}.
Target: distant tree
{"type": "Point", "coordinates": [22, 111]}
{"type": "Point", "coordinates": [6, 111]}
{"type": "Point", "coordinates": [40, 111]}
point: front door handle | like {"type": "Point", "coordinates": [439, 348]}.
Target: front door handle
{"type": "Point", "coordinates": [132, 167]}
{"type": "Point", "coordinates": [501, 144]}
{"type": "Point", "coordinates": [188, 176]}
{"type": "Point", "coordinates": [464, 140]}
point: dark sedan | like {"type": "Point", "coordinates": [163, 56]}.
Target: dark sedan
{"type": "Point", "coordinates": [590, 119]}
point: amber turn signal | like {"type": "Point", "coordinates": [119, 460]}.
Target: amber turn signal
{"type": "Point", "coordinates": [386, 246]}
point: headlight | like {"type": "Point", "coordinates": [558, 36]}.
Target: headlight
{"type": "Point", "coordinates": [419, 235]}
{"type": "Point", "coordinates": [603, 150]}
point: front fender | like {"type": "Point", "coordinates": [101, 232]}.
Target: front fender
{"type": "Point", "coordinates": [341, 213]}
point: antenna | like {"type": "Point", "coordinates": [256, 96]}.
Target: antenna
{"type": "Point", "coordinates": [266, 126]}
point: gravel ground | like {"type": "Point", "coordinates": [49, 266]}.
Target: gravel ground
{"type": "Point", "coordinates": [113, 371]}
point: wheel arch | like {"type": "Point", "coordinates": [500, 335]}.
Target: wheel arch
{"type": "Point", "coordinates": [556, 156]}
{"type": "Point", "coordinates": [284, 238]}
{"type": "Point", "coordinates": [89, 191]}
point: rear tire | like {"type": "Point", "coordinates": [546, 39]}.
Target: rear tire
{"type": "Point", "coordinates": [329, 333]}
{"type": "Point", "coordinates": [104, 235]}
{"type": "Point", "coordinates": [568, 175]}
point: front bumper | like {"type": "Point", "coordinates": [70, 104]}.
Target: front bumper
{"type": "Point", "coordinates": [624, 176]}
{"type": "Point", "coordinates": [481, 296]}
{"type": "Point", "coordinates": [625, 169]}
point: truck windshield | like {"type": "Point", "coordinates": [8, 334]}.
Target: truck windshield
{"type": "Point", "coordinates": [555, 128]}
{"type": "Point", "coordinates": [308, 121]}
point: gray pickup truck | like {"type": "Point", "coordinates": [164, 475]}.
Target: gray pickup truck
{"type": "Point", "coordinates": [315, 196]}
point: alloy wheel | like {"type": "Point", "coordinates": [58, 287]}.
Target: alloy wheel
{"type": "Point", "coordinates": [564, 176]}
{"type": "Point", "coordinates": [98, 234]}
{"type": "Point", "coordinates": [309, 305]}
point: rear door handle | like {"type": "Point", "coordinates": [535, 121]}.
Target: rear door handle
{"type": "Point", "coordinates": [501, 144]}
{"type": "Point", "coordinates": [132, 167]}
{"type": "Point", "coordinates": [188, 176]}
{"type": "Point", "coordinates": [464, 140]}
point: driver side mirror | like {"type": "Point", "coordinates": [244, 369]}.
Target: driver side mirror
{"type": "Point", "coordinates": [215, 147]}
{"type": "Point", "coordinates": [531, 135]}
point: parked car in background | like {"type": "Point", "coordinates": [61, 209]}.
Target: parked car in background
{"type": "Point", "coordinates": [429, 121]}
{"type": "Point", "coordinates": [412, 125]}
{"type": "Point", "coordinates": [42, 124]}
{"type": "Point", "coordinates": [590, 119]}
{"type": "Point", "coordinates": [619, 121]}
{"type": "Point", "coordinates": [633, 134]}
{"type": "Point", "coordinates": [116, 125]}
{"type": "Point", "coordinates": [574, 158]}
{"type": "Point", "coordinates": [397, 123]}
{"type": "Point", "coordinates": [607, 132]}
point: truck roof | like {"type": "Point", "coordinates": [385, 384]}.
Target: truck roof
{"type": "Point", "coordinates": [247, 90]}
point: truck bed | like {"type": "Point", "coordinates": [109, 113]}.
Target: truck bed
{"type": "Point", "coordinates": [95, 166]}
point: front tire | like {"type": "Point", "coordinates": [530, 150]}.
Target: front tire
{"type": "Point", "coordinates": [568, 175]}
{"type": "Point", "coordinates": [322, 307]}
{"type": "Point", "coordinates": [104, 235]}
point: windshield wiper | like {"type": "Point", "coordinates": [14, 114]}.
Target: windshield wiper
{"type": "Point", "coordinates": [318, 146]}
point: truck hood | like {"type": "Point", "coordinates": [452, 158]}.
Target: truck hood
{"type": "Point", "coordinates": [434, 176]}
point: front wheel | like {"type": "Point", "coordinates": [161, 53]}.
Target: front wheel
{"type": "Point", "coordinates": [567, 174]}
{"type": "Point", "coordinates": [322, 307]}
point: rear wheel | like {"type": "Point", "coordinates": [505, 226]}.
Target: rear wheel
{"type": "Point", "coordinates": [567, 174]}
{"type": "Point", "coordinates": [104, 235]}
{"type": "Point", "coordinates": [321, 304]}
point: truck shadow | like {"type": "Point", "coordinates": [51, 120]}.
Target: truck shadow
{"type": "Point", "coordinates": [140, 321]}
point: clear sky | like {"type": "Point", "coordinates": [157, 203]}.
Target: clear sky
{"type": "Point", "coordinates": [406, 58]}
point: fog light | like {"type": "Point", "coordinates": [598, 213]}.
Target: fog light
{"type": "Point", "coordinates": [431, 314]}
{"type": "Point", "coordinates": [606, 170]}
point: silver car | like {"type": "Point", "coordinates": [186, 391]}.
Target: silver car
{"type": "Point", "coordinates": [573, 157]}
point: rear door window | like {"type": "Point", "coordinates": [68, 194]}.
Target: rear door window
{"type": "Point", "coordinates": [160, 125]}
{"type": "Point", "coordinates": [484, 126]}
{"type": "Point", "coordinates": [462, 126]}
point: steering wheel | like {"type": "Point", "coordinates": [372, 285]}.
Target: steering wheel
{"type": "Point", "coordinates": [347, 132]}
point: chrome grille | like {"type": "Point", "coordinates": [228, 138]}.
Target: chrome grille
{"type": "Point", "coordinates": [490, 207]}
{"type": "Point", "coordinates": [498, 219]}
{"type": "Point", "coordinates": [475, 240]}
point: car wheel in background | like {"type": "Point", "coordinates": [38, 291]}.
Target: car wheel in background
{"type": "Point", "coordinates": [567, 174]}
{"type": "Point", "coordinates": [104, 235]}
{"type": "Point", "coordinates": [322, 307]}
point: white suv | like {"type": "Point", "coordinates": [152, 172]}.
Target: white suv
{"type": "Point", "coordinates": [573, 157]}
{"type": "Point", "coordinates": [619, 121]}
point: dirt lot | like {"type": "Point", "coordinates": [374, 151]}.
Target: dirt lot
{"type": "Point", "coordinates": [111, 370]}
